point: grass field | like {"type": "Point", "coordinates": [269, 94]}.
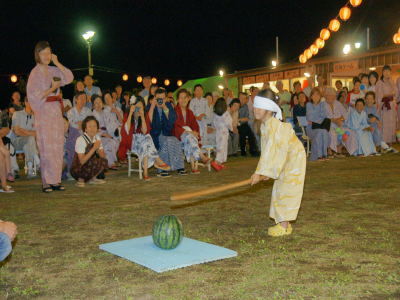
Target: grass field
{"type": "Point", "coordinates": [345, 244]}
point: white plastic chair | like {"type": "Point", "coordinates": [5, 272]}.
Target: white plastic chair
{"type": "Point", "coordinates": [131, 154]}
{"type": "Point", "coordinates": [208, 149]}
{"type": "Point", "coordinates": [303, 124]}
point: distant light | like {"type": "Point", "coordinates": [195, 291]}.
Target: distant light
{"type": "Point", "coordinates": [166, 82]}
{"type": "Point", "coordinates": [179, 83]}
{"type": "Point", "coordinates": [221, 73]}
{"type": "Point", "coordinates": [220, 86]}
{"type": "Point", "coordinates": [346, 49]}
{"type": "Point", "coordinates": [357, 45]}
{"type": "Point", "coordinates": [154, 80]}
{"type": "Point", "coordinates": [372, 69]}
{"type": "Point", "coordinates": [139, 79]}
{"type": "Point", "coordinates": [308, 75]}
{"type": "Point", "coordinates": [274, 63]}
{"type": "Point", "coordinates": [125, 77]}
{"type": "Point", "coordinates": [14, 78]}
{"type": "Point", "coordinates": [88, 35]}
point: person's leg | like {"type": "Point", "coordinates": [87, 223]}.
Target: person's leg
{"type": "Point", "coordinates": [7, 162]}
{"type": "Point", "coordinates": [145, 167]}
{"type": "Point", "coordinates": [5, 246]}
{"type": "Point", "coordinates": [242, 139]}
{"type": "Point", "coordinates": [252, 141]}
{"type": "Point", "coordinates": [3, 172]}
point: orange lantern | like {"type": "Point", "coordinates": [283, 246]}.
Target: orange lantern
{"type": "Point", "coordinates": [166, 82]}
{"type": "Point", "coordinates": [334, 25]}
{"type": "Point", "coordinates": [125, 77]}
{"type": "Point", "coordinates": [325, 34]}
{"type": "Point", "coordinates": [307, 53]}
{"type": "Point", "coordinates": [355, 3]}
{"type": "Point", "coordinates": [179, 83]}
{"type": "Point", "coordinates": [302, 58]}
{"type": "Point", "coordinates": [139, 79]}
{"type": "Point", "coordinates": [396, 38]}
{"type": "Point", "coordinates": [320, 43]}
{"type": "Point", "coordinates": [345, 13]}
{"type": "Point", "coordinates": [154, 80]}
{"type": "Point", "coordinates": [14, 78]}
{"type": "Point", "coordinates": [314, 49]}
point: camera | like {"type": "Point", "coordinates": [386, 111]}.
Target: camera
{"type": "Point", "coordinates": [160, 101]}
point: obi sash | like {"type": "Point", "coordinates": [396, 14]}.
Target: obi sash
{"type": "Point", "coordinates": [56, 99]}
{"type": "Point", "coordinates": [386, 102]}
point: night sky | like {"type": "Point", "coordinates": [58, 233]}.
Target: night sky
{"type": "Point", "coordinates": [180, 39]}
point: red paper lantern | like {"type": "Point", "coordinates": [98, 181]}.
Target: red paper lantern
{"type": "Point", "coordinates": [355, 3]}
{"type": "Point", "coordinates": [396, 38]}
{"type": "Point", "coordinates": [334, 25]}
{"type": "Point", "coordinates": [345, 13]}
{"type": "Point", "coordinates": [325, 34]}
{"type": "Point", "coordinates": [314, 49]}
{"type": "Point", "coordinates": [302, 58]}
{"type": "Point", "coordinates": [320, 43]}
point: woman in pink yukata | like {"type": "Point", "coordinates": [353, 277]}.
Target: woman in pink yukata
{"type": "Point", "coordinates": [43, 93]}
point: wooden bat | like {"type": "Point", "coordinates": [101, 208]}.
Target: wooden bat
{"type": "Point", "coordinates": [218, 189]}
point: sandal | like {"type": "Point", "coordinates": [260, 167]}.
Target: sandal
{"type": "Point", "coordinates": [163, 167]}
{"type": "Point", "coordinates": [146, 178]}
{"type": "Point", "coordinates": [47, 189]}
{"type": "Point", "coordinates": [10, 178]}
{"type": "Point", "coordinates": [80, 184]}
{"type": "Point", "coordinates": [57, 187]}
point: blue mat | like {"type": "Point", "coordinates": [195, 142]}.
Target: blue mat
{"type": "Point", "coordinates": [189, 252]}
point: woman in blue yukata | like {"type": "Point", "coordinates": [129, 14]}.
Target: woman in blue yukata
{"type": "Point", "coordinates": [358, 122]}
{"type": "Point", "coordinates": [187, 130]}
{"type": "Point", "coordinates": [162, 116]}
{"type": "Point", "coordinates": [137, 128]}
{"type": "Point", "coordinates": [318, 126]}
{"type": "Point", "coordinates": [107, 131]}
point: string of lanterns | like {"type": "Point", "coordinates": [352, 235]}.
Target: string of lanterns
{"type": "Point", "coordinates": [154, 80]}
{"type": "Point", "coordinates": [396, 37]}
{"type": "Point", "coordinates": [334, 26]}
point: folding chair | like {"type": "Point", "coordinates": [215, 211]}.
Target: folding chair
{"type": "Point", "coordinates": [208, 149]}
{"type": "Point", "coordinates": [131, 155]}
{"type": "Point", "coordinates": [303, 124]}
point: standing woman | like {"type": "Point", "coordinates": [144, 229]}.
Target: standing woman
{"type": "Point", "coordinates": [386, 93]}
{"type": "Point", "coordinates": [43, 93]}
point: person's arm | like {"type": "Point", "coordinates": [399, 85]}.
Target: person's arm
{"type": "Point", "coordinates": [144, 123]}
{"type": "Point", "coordinates": [83, 158]}
{"type": "Point", "coordinates": [65, 73]}
{"type": "Point", "coordinates": [151, 111]}
{"type": "Point", "coordinates": [23, 132]}
{"type": "Point", "coordinates": [4, 131]}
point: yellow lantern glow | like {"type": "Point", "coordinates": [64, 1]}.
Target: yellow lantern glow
{"type": "Point", "coordinates": [14, 78]}
{"type": "Point", "coordinates": [302, 59]}
{"type": "Point", "coordinates": [179, 83]}
{"type": "Point", "coordinates": [334, 25]}
{"type": "Point", "coordinates": [166, 82]}
{"type": "Point", "coordinates": [307, 53]}
{"type": "Point", "coordinates": [125, 77]}
{"type": "Point", "coordinates": [396, 38]}
{"type": "Point", "coordinates": [345, 13]}
{"type": "Point", "coordinates": [314, 49]}
{"type": "Point", "coordinates": [320, 43]}
{"type": "Point", "coordinates": [325, 34]}
{"type": "Point", "coordinates": [139, 79]}
{"type": "Point", "coordinates": [154, 80]}
{"type": "Point", "coordinates": [355, 3]}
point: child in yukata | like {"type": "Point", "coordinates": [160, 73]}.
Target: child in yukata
{"type": "Point", "coordinates": [283, 158]}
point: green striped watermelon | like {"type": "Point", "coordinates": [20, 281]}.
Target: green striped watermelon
{"type": "Point", "coordinates": [167, 232]}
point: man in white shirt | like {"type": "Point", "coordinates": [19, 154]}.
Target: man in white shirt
{"type": "Point", "coordinates": [198, 105]}
{"type": "Point", "coordinates": [24, 137]}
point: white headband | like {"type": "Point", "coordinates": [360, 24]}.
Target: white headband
{"type": "Point", "coordinates": [268, 104]}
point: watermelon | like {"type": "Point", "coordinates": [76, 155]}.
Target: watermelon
{"type": "Point", "coordinates": [167, 232]}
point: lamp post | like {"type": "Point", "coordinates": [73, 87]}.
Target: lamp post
{"type": "Point", "coordinates": [88, 37]}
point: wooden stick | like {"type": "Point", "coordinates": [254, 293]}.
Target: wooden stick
{"type": "Point", "coordinates": [184, 196]}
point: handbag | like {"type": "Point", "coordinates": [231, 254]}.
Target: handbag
{"type": "Point", "coordinates": [326, 124]}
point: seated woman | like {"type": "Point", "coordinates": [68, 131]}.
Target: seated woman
{"type": "Point", "coordinates": [79, 112]}
{"type": "Point", "coordinates": [338, 115]}
{"type": "Point", "coordinates": [299, 110]}
{"type": "Point", "coordinates": [136, 131]}
{"type": "Point", "coordinates": [89, 160]}
{"type": "Point", "coordinates": [318, 126]}
{"type": "Point", "coordinates": [70, 135]}
{"type": "Point", "coordinates": [375, 123]}
{"type": "Point", "coordinates": [5, 169]}
{"type": "Point", "coordinates": [186, 129]}
{"type": "Point", "coordinates": [107, 129]}
{"type": "Point", "coordinates": [358, 122]}
{"type": "Point", "coordinates": [162, 116]}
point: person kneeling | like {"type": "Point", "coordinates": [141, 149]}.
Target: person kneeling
{"type": "Point", "coordinates": [186, 129]}
{"type": "Point", "coordinates": [89, 160]}
{"type": "Point", "coordinates": [137, 127]}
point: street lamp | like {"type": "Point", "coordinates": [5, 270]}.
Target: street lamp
{"type": "Point", "coordinates": [346, 49]}
{"type": "Point", "coordinates": [221, 73]}
{"type": "Point", "coordinates": [274, 63]}
{"type": "Point", "coordinates": [357, 45]}
{"type": "Point", "coordinates": [88, 37]}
